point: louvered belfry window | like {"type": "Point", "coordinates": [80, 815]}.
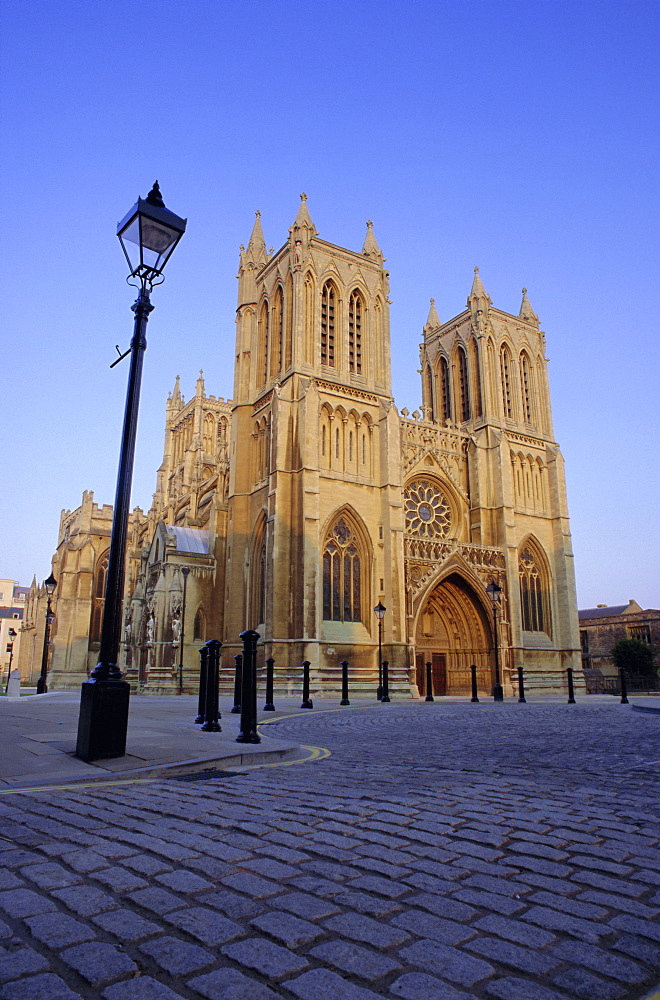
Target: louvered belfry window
{"type": "Point", "coordinates": [328, 311]}
{"type": "Point", "coordinates": [355, 313]}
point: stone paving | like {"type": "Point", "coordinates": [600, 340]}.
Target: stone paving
{"type": "Point", "coordinates": [442, 852]}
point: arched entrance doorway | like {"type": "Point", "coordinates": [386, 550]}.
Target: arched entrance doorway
{"type": "Point", "coordinates": [453, 632]}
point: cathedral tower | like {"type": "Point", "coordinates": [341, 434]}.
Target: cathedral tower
{"type": "Point", "coordinates": [493, 469]}
{"type": "Point", "coordinates": [315, 521]}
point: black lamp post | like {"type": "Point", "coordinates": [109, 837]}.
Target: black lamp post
{"type": "Point", "coordinates": [379, 611]}
{"type": "Point", "coordinates": [11, 635]}
{"type": "Point", "coordinates": [185, 570]}
{"type": "Point", "coordinates": [148, 236]}
{"type": "Point", "coordinates": [495, 594]}
{"type": "Point", "coordinates": [50, 585]}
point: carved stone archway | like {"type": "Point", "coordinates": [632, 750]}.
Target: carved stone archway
{"type": "Point", "coordinates": [452, 632]}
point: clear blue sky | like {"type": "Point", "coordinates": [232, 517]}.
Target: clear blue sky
{"type": "Point", "coordinates": [521, 137]}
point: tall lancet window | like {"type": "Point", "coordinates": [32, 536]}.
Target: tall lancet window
{"type": "Point", "coordinates": [328, 319]}
{"type": "Point", "coordinates": [505, 363]}
{"type": "Point", "coordinates": [445, 389]}
{"type": "Point", "coordinates": [355, 319]}
{"type": "Point", "coordinates": [277, 358]}
{"type": "Point", "coordinates": [342, 582]}
{"type": "Point", "coordinates": [288, 324]}
{"type": "Point", "coordinates": [263, 344]}
{"type": "Point", "coordinates": [533, 601]}
{"type": "Point", "coordinates": [526, 386]}
{"type": "Point", "coordinates": [463, 384]}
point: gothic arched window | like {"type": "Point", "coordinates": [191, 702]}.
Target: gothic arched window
{"type": "Point", "coordinates": [262, 372]}
{"type": "Point", "coordinates": [505, 362]}
{"type": "Point", "coordinates": [526, 386]}
{"type": "Point", "coordinates": [328, 320]}
{"type": "Point", "coordinates": [355, 321]}
{"type": "Point", "coordinates": [533, 592]}
{"type": "Point", "coordinates": [445, 389]}
{"type": "Point", "coordinates": [476, 370]}
{"type": "Point", "coordinates": [342, 576]}
{"type": "Point", "coordinates": [209, 433]}
{"type": "Point", "coordinates": [277, 348]}
{"type": "Point", "coordinates": [463, 384]}
{"type": "Point", "coordinates": [199, 627]}
{"type": "Point", "coordinates": [98, 599]}
{"type": "Point", "coordinates": [288, 323]}
{"type": "Point", "coordinates": [261, 585]}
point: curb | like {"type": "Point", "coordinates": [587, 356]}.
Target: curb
{"type": "Point", "coordinates": [153, 771]}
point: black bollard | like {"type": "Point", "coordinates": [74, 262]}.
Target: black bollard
{"type": "Point", "coordinates": [475, 698]}
{"type": "Point", "coordinates": [344, 683]}
{"type": "Point", "coordinates": [306, 700]}
{"type": "Point", "coordinates": [248, 731]}
{"type": "Point", "coordinates": [201, 698]}
{"type": "Point", "coordinates": [269, 707]}
{"type": "Point", "coordinates": [238, 682]}
{"type": "Point", "coordinates": [571, 691]}
{"type": "Point", "coordinates": [211, 711]}
{"type": "Point", "coordinates": [386, 681]}
{"type": "Point", "coordinates": [624, 687]}
{"type": "Point", "coordinates": [521, 686]}
{"type": "Point", "coordinates": [429, 683]}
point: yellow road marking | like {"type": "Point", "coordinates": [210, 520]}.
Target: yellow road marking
{"type": "Point", "coordinates": [316, 753]}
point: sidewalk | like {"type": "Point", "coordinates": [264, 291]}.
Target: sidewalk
{"type": "Point", "coordinates": [38, 736]}
{"type": "Point", "coordinates": [38, 741]}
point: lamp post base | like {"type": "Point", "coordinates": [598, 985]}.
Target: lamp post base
{"type": "Point", "coordinates": [103, 719]}
{"type": "Point", "coordinates": [498, 693]}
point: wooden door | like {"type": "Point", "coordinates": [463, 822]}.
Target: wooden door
{"type": "Point", "coordinates": [420, 664]}
{"type": "Point", "coordinates": [439, 673]}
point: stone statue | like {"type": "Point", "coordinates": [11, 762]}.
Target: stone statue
{"type": "Point", "coordinates": [150, 629]}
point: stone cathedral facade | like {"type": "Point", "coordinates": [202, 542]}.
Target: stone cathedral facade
{"type": "Point", "coordinates": [307, 499]}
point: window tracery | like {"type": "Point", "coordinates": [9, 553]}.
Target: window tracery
{"type": "Point", "coordinates": [428, 511]}
{"type": "Point", "coordinates": [533, 601]}
{"type": "Point", "coordinates": [342, 574]}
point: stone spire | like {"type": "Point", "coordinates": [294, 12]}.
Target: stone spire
{"type": "Point", "coordinates": [478, 290]}
{"type": "Point", "coordinates": [199, 388]}
{"type": "Point", "coordinates": [256, 249]}
{"type": "Point", "coordinates": [433, 321]}
{"type": "Point", "coordinates": [371, 248]}
{"type": "Point", "coordinates": [303, 218]}
{"type": "Point", "coordinates": [526, 311]}
{"type": "Point", "coordinates": [175, 400]}
{"type": "Point", "coordinates": [478, 303]}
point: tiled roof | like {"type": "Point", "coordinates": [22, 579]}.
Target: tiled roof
{"type": "Point", "coordinates": [616, 609]}
{"type": "Point", "coordinates": [11, 613]}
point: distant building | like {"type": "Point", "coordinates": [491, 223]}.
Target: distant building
{"type": "Point", "coordinates": [79, 566]}
{"type": "Point", "coordinates": [602, 627]}
{"type": "Point", "coordinates": [308, 499]}
{"type": "Point", "coordinates": [12, 603]}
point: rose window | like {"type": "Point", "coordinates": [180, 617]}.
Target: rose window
{"type": "Point", "coordinates": [427, 510]}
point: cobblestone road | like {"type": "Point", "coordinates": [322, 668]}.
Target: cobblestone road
{"type": "Point", "coordinates": [442, 852]}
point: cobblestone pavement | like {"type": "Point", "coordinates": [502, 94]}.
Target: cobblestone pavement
{"type": "Point", "coordinates": [442, 852]}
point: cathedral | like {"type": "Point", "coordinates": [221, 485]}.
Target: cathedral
{"type": "Point", "coordinates": [308, 499]}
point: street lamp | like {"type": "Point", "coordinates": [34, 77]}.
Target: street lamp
{"type": "Point", "coordinates": [148, 237]}
{"type": "Point", "coordinates": [495, 594]}
{"type": "Point", "coordinates": [379, 611]}
{"type": "Point", "coordinates": [49, 585]}
{"type": "Point", "coordinates": [11, 635]}
{"type": "Point", "coordinates": [185, 570]}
